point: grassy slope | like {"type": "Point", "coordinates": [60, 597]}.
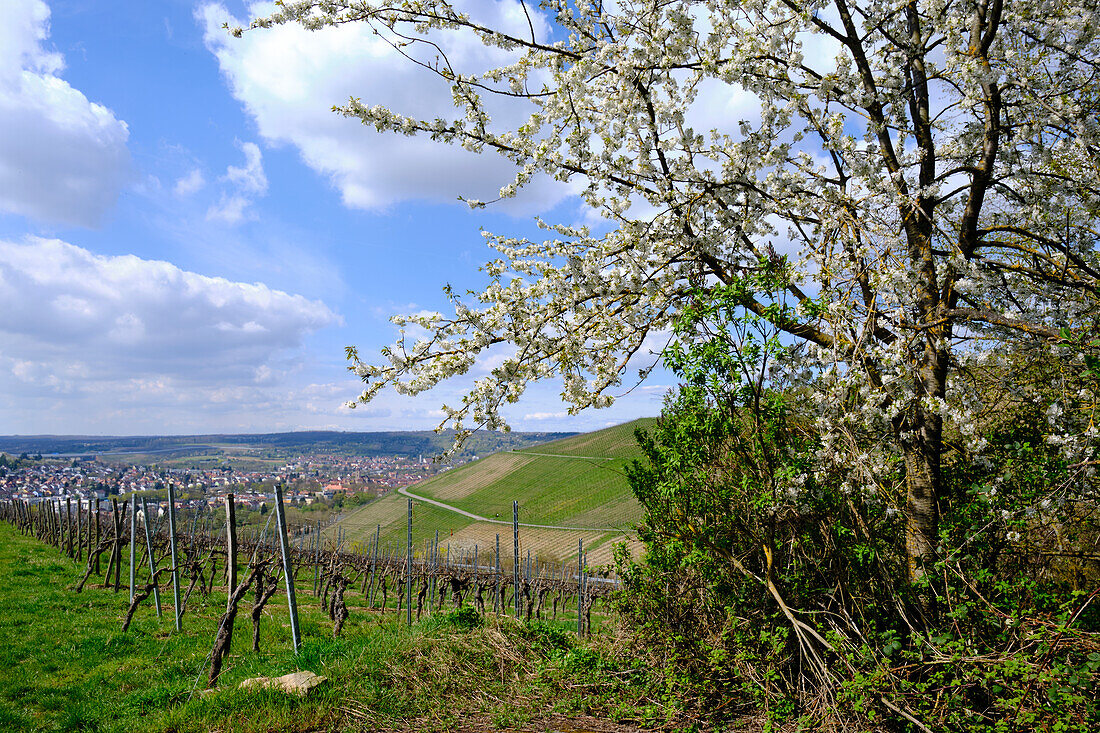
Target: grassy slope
{"type": "Point", "coordinates": [65, 665]}
{"type": "Point", "coordinates": [577, 482]}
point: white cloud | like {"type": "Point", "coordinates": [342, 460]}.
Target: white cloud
{"type": "Point", "coordinates": [288, 79]}
{"type": "Point", "coordinates": [192, 183]}
{"type": "Point", "coordinates": [546, 415]}
{"type": "Point", "coordinates": [250, 178]}
{"type": "Point", "coordinates": [244, 184]}
{"type": "Point", "coordinates": [229, 209]}
{"type": "Point", "coordinates": [65, 311]}
{"type": "Point", "coordinates": [63, 158]}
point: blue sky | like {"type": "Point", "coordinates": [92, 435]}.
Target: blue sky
{"type": "Point", "coordinates": [189, 237]}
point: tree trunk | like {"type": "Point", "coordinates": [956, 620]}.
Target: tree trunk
{"type": "Point", "coordinates": [340, 609]}
{"type": "Point", "coordinates": [258, 608]}
{"type": "Point", "coordinates": [224, 638]}
{"type": "Point", "coordinates": [922, 484]}
{"type": "Point", "coordinates": [93, 559]}
{"type": "Point", "coordinates": [921, 437]}
{"type": "Point", "coordinates": [140, 595]}
{"type": "Point", "coordinates": [420, 598]}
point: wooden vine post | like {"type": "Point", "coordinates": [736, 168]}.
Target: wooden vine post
{"type": "Point", "coordinates": [133, 545]}
{"type": "Point", "coordinates": [69, 525]}
{"type": "Point", "coordinates": [288, 570]}
{"type": "Point", "coordinates": [580, 587]}
{"type": "Point", "coordinates": [496, 589]}
{"type": "Point", "coordinates": [409, 567]}
{"type": "Point", "coordinates": [116, 548]}
{"type": "Point", "coordinates": [98, 532]}
{"type": "Point", "coordinates": [175, 563]}
{"type": "Point", "coordinates": [149, 552]}
{"type": "Point", "coordinates": [230, 547]}
{"type": "Point", "coordinates": [434, 555]}
{"type": "Point", "coordinates": [515, 558]}
{"type": "Point", "coordinates": [316, 556]}
{"type": "Point", "coordinates": [374, 565]}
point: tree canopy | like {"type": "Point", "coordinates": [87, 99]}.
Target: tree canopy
{"type": "Point", "coordinates": [926, 173]}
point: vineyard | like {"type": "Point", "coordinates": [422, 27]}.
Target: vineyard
{"type": "Point", "coordinates": [568, 490]}
{"type": "Point", "coordinates": [137, 546]}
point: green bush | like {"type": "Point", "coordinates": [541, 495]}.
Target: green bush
{"type": "Point", "coordinates": [463, 619]}
{"type": "Point", "coordinates": [547, 639]}
{"type": "Point", "coordinates": [766, 585]}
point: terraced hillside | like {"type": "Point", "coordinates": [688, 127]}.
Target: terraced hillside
{"type": "Point", "coordinates": [574, 488]}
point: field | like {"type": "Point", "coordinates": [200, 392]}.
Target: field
{"type": "Point", "coordinates": [576, 483]}
{"type": "Point", "coordinates": [66, 665]}
{"type": "Point", "coordinates": [258, 450]}
{"type": "Point", "coordinates": [240, 457]}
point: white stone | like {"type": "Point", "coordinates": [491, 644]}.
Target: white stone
{"type": "Point", "coordinates": [295, 683]}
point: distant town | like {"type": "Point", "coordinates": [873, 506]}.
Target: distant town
{"type": "Point", "coordinates": [321, 473]}
{"type": "Point", "coordinates": [312, 478]}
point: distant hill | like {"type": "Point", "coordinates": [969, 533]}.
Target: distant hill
{"type": "Point", "coordinates": [576, 482]}
{"type": "Point", "coordinates": [404, 443]}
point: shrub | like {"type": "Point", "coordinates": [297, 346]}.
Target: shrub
{"type": "Point", "coordinates": [766, 584]}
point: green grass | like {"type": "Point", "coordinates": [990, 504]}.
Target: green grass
{"type": "Point", "coordinates": [390, 511]}
{"type": "Point", "coordinates": [615, 442]}
{"type": "Point", "coordinates": [573, 482]}
{"type": "Point", "coordinates": [552, 491]}
{"type": "Point", "coordinates": [67, 666]}
{"type": "Point", "coordinates": [576, 482]}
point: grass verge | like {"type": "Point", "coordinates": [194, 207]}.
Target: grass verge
{"type": "Point", "coordinates": [65, 665]}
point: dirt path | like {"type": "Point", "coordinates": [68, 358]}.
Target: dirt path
{"type": "Point", "coordinates": [477, 517]}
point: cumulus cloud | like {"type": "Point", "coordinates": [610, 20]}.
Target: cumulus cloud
{"type": "Point", "coordinates": [69, 317]}
{"type": "Point", "coordinates": [63, 158]}
{"type": "Point", "coordinates": [288, 79]}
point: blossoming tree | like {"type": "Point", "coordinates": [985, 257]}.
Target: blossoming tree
{"type": "Point", "coordinates": [930, 168]}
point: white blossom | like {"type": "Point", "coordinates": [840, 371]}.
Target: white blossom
{"type": "Point", "coordinates": [939, 198]}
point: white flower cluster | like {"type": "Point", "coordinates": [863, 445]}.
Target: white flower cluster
{"type": "Point", "coordinates": [935, 169]}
